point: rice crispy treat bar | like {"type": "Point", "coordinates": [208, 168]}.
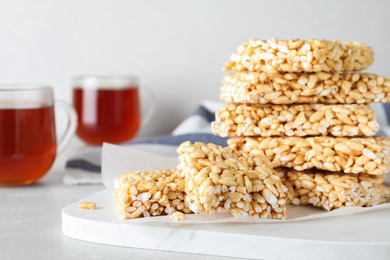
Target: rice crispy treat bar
{"type": "Point", "coordinates": [321, 87]}
{"type": "Point", "coordinates": [220, 179]}
{"type": "Point", "coordinates": [143, 193]}
{"type": "Point", "coordinates": [297, 55]}
{"type": "Point", "coordinates": [294, 120]}
{"type": "Point", "coordinates": [363, 155]}
{"type": "Point", "coordinates": [334, 190]}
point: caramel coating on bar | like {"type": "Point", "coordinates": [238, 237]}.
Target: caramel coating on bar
{"type": "Point", "coordinates": [289, 88]}
{"type": "Point", "coordinates": [364, 155]}
{"type": "Point", "coordinates": [297, 55]}
{"type": "Point", "coordinates": [220, 179]}
{"type": "Point", "coordinates": [294, 120]}
{"type": "Point", "coordinates": [334, 190]}
{"type": "Point", "coordinates": [143, 193]}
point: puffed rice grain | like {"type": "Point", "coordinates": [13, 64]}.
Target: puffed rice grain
{"type": "Point", "coordinates": [87, 205]}
{"type": "Point", "coordinates": [177, 216]}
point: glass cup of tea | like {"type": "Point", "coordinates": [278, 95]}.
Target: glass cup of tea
{"type": "Point", "coordinates": [28, 139]}
{"type": "Point", "coordinates": [109, 108]}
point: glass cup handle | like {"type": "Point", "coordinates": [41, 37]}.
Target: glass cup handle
{"type": "Point", "coordinates": [71, 126]}
{"type": "Point", "coordinates": [150, 106]}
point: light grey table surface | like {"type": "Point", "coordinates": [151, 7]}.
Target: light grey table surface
{"type": "Point", "coordinates": [30, 222]}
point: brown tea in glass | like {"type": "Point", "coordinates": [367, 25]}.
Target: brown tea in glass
{"type": "Point", "coordinates": [27, 143]}
{"type": "Point", "coordinates": [28, 140]}
{"type": "Point", "coordinates": [108, 108]}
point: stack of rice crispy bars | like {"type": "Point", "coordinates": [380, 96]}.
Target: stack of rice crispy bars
{"type": "Point", "coordinates": [301, 129]}
{"type": "Point", "coordinates": [305, 106]}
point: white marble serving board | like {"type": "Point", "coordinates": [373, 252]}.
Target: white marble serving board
{"type": "Point", "coordinates": [359, 236]}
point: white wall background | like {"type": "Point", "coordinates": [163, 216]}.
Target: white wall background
{"type": "Point", "coordinates": [177, 48]}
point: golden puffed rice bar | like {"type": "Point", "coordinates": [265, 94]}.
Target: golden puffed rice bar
{"type": "Point", "coordinates": [334, 190]}
{"type": "Point", "coordinates": [220, 179]}
{"type": "Point", "coordinates": [369, 155]}
{"type": "Point", "coordinates": [294, 120]}
{"type": "Point", "coordinates": [143, 193]}
{"type": "Point", "coordinates": [298, 55]}
{"type": "Point", "coordinates": [289, 88]}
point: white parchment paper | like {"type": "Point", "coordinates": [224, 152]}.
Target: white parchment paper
{"type": "Point", "coordinates": [117, 160]}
